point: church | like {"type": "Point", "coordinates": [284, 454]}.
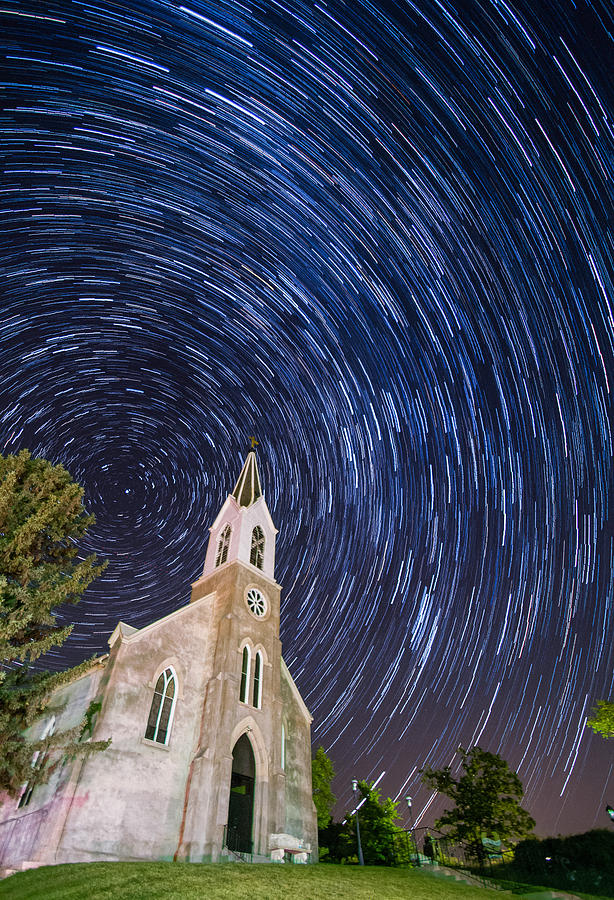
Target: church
{"type": "Point", "coordinates": [210, 757]}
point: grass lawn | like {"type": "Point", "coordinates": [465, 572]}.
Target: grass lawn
{"type": "Point", "coordinates": [235, 881]}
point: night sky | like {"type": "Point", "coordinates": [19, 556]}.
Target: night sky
{"type": "Point", "coordinates": [378, 236]}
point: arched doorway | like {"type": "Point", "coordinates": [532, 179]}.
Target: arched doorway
{"type": "Point", "coordinates": [241, 803]}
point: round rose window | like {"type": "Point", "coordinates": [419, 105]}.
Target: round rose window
{"type": "Point", "coordinates": [256, 602]}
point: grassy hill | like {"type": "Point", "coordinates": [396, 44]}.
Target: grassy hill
{"type": "Point", "coordinates": [238, 881]}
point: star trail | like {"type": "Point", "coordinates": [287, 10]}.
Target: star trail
{"type": "Point", "coordinates": [379, 237]}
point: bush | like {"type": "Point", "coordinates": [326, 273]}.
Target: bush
{"type": "Point", "coordinates": [591, 850]}
{"type": "Point", "coordinates": [582, 862]}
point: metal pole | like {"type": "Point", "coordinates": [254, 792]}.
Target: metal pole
{"type": "Point", "coordinates": [413, 834]}
{"type": "Point", "coordinates": [360, 856]}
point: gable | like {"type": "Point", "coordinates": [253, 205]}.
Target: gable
{"type": "Point", "coordinates": [129, 634]}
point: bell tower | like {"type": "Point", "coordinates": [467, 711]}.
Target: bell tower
{"type": "Point", "coordinates": [237, 792]}
{"type": "Point", "coordinates": [243, 529]}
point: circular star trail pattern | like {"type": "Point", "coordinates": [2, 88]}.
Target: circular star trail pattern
{"type": "Point", "coordinates": [378, 237]}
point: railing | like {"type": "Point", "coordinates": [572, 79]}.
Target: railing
{"type": "Point", "coordinates": [236, 843]}
{"type": "Point", "coordinates": [424, 847]}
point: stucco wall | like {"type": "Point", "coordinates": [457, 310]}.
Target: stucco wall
{"type": "Point", "coordinates": [130, 798]}
{"type": "Point", "coordinates": [32, 832]}
{"type": "Point", "coordinates": [300, 813]}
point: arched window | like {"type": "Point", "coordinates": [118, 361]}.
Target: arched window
{"type": "Point", "coordinates": [283, 746]}
{"type": "Point", "coordinates": [162, 708]}
{"type": "Point", "coordinates": [244, 692]}
{"type": "Point", "coordinates": [38, 764]}
{"type": "Point", "coordinates": [256, 556]}
{"type": "Point", "coordinates": [257, 692]}
{"type": "Point", "coordinates": [223, 545]}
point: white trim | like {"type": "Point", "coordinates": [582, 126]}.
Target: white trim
{"type": "Point", "coordinates": [261, 500]}
{"type": "Point", "coordinates": [248, 568]}
{"type": "Point", "coordinates": [120, 632]}
{"type": "Point", "coordinates": [267, 514]}
{"type": "Point", "coordinates": [170, 662]}
{"type": "Point", "coordinates": [129, 635]}
{"type": "Point", "coordinates": [244, 694]}
{"type": "Point", "coordinates": [219, 518]}
{"type": "Point", "coordinates": [171, 715]}
{"type": "Point", "coordinates": [257, 695]}
{"type": "Point", "coordinates": [258, 648]}
{"type": "Point", "coordinates": [267, 606]}
{"type": "Point", "coordinates": [224, 538]}
{"type": "Point", "coordinates": [156, 744]}
{"type": "Point", "coordinates": [257, 547]}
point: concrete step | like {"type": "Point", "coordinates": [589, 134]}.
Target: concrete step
{"type": "Point", "coordinates": [5, 871]}
{"type": "Point", "coordinates": [23, 866]}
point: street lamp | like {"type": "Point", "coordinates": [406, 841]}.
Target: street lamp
{"type": "Point", "coordinates": [360, 856]}
{"type": "Point", "coordinates": [610, 811]}
{"type": "Point", "coordinates": [411, 829]}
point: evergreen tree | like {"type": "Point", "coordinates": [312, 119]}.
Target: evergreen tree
{"type": "Point", "coordinates": [487, 799]}
{"type": "Point", "coordinates": [41, 518]}
{"type": "Point", "coordinates": [322, 774]}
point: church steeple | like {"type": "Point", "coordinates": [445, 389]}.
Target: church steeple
{"type": "Point", "coordinates": [243, 530]}
{"type": "Point", "coordinates": [247, 489]}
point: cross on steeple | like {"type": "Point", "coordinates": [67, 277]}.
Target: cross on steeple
{"type": "Point", "coordinates": [255, 443]}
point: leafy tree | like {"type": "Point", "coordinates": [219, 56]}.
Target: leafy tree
{"type": "Point", "coordinates": [378, 829]}
{"type": "Point", "coordinates": [602, 719]}
{"type": "Point", "coordinates": [41, 518]}
{"type": "Point", "coordinates": [487, 798]}
{"type": "Point", "coordinates": [322, 774]}
{"type": "Point", "coordinates": [332, 843]}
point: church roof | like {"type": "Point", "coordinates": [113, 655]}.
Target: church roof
{"type": "Point", "coordinates": [247, 489]}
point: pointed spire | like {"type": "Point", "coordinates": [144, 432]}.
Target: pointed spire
{"type": "Point", "coordinates": [247, 489]}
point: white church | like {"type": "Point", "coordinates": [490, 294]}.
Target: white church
{"type": "Point", "coordinates": [211, 750]}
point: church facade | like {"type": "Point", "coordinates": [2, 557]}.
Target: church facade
{"type": "Point", "coordinates": [211, 748]}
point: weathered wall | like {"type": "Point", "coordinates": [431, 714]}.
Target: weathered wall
{"type": "Point", "coordinates": [32, 832]}
{"type": "Point", "coordinates": [300, 812]}
{"type": "Point", "coordinates": [129, 800]}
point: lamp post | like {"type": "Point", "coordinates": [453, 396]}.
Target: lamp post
{"type": "Point", "coordinates": [411, 830]}
{"type": "Point", "coordinates": [360, 856]}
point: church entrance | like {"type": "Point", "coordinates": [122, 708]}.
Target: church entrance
{"type": "Point", "coordinates": [241, 804]}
